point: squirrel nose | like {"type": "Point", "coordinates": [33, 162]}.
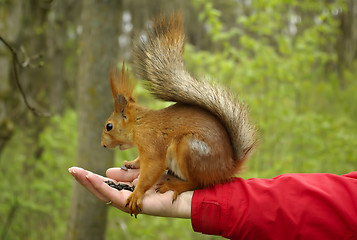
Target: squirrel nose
{"type": "Point", "coordinates": [104, 146]}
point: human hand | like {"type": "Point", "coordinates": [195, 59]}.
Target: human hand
{"type": "Point", "coordinates": [155, 204]}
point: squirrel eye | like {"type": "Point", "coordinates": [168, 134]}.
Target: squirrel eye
{"type": "Point", "coordinates": [109, 127]}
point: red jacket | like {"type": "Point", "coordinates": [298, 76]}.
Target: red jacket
{"type": "Point", "coordinates": [290, 206]}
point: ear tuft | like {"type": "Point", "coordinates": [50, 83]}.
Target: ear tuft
{"type": "Point", "coordinates": [121, 84]}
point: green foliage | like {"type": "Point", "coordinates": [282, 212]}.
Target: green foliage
{"type": "Point", "coordinates": [36, 190]}
{"type": "Point", "coordinates": [122, 226]}
{"type": "Point", "coordinates": [282, 62]}
{"type": "Point", "coordinates": [277, 55]}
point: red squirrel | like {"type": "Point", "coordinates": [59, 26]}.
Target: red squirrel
{"type": "Point", "coordinates": [202, 139]}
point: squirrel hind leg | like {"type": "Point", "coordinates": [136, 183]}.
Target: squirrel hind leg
{"type": "Point", "coordinates": [197, 163]}
{"type": "Point", "coordinates": [204, 161]}
{"type": "Point", "coordinates": [178, 186]}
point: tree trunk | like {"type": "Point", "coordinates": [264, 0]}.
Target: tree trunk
{"type": "Point", "coordinates": [61, 48]}
{"type": "Point", "coordinates": [347, 44]}
{"type": "Point", "coordinates": [98, 47]}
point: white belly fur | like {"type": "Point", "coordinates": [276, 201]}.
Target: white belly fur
{"type": "Point", "coordinates": [171, 161]}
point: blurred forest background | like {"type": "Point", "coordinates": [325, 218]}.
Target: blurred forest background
{"type": "Point", "coordinates": [294, 62]}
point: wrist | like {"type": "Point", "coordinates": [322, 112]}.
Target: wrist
{"type": "Point", "coordinates": [157, 204]}
{"type": "Point", "coordinates": [182, 206]}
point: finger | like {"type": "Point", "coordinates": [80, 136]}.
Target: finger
{"type": "Point", "coordinates": [118, 198]}
{"type": "Point", "coordinates": [121, 175]}
{"type": "Point", "coordinates": [80, 175]}
{"type": "Point", "coordinates": [80, 172]}
{"type": "Point", "coordinates": [135, 181]}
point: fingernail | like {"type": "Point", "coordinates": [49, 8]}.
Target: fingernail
{"type": "Point", "coordinates": [70, 170]}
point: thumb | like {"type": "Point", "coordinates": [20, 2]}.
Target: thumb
{"type": "Point", "coordinates": [121, 175]}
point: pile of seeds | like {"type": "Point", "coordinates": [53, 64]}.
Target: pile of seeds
{"type": "Point", "coordinates": [120, 186]}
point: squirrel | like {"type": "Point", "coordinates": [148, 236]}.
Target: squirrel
{"type": "Point", "coordinates": [201, 140]}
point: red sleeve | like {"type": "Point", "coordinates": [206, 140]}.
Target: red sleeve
{"type": "Point", "coordinates": [289, 206]}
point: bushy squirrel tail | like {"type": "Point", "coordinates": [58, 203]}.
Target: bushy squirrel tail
{"type": "Point", "coordinates": [158, 60]}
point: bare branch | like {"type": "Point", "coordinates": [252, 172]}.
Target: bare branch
{"type": "Point", "coordinates": [26, 63]}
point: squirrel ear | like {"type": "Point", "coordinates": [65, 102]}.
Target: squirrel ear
{"type": "Point", "coordinates": [120, 105]}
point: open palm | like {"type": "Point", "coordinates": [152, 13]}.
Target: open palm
{"type": "Point", "coordinates": [155, 204]}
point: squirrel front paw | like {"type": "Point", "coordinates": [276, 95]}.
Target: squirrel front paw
{"type": "Point", "coordinates": [133, 203]}
{"type": "Point", "coordinates": [130, 165]}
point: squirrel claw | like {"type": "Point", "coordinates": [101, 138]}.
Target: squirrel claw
{"type": "Point", "coordinates": [133, 204]}
{"type": "Point", "coordinates": [174, 197]}
{"type": "Point", "coordinates": [135, 214]}
{"type": "Point", "coordinates": [158, 188]}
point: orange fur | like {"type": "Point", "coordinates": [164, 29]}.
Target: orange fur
{"type": "Point", "coordinates": [202, 139]}
{"type": "Point", "coordinates": [170, 133]}
{"type": "Point", "coordinates": [121, 84]}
